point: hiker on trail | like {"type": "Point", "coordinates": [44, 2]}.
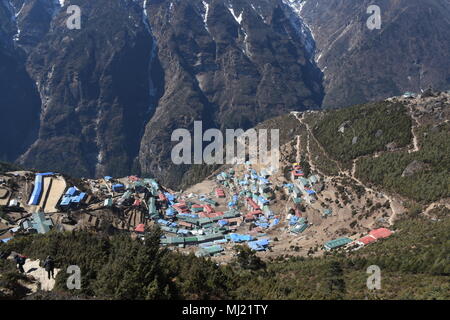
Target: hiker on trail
{"type": "Point", "coordinates": [20, 261]}
{"type": "Point", "coordinates": [49, 266]}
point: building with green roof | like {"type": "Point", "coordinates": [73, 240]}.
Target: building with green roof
{"type": "Point", "coordinates": [337, 243]}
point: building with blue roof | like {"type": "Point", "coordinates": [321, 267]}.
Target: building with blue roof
{"type": "Point", "coordinates": [72, 198]}
{"type": "Point", "coordinates": [37, 190]}
{"type": "Point", "coordinates": [259, 245]}
{"type": "Point", "coordinates": [234, 237]}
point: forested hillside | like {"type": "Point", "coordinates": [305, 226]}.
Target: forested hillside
{"type": "Point", "coordinates": [413, 265]}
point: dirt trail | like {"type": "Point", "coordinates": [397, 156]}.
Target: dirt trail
{"type": "Point", "coordinates": [351, 174]}
{"type": "Point", "coordinates": [415, 140]}
{"type": "Point", "coordinates": [436, 204]}
{"type": "Point", "coordinates": [298, 158]}
{"type": "Point", "coordinates": [311, 163]}
{"type": "Point", "coordinates": [32, 268]}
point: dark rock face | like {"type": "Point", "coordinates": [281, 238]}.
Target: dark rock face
{"type": "Point", "coordinates": [94, 86]}
{"type": "Point", "coordinates": [19, 98]}
{"type": "Point", "coordinates": [105, 99]}
{"type": "Point", "coordinates": [409, 53]}
{"type": "Point", "coordinates": [238, 63]}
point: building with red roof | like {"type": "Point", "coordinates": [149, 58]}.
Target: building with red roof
{"type": "Point", "coordinates": [366, 240]}
{"type": "Point", "coordinates": [220, 193]}
{"type": "Point", "coordinates": [140, 228]}
{"type": "Point", "coordinates": [208, 208]}
{"type": "Point", "coordinates": [380, 233]}
{"type": "Point", "coordinates": [253, 204]}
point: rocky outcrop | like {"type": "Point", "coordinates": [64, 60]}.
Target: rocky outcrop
{"type": "Point", "coordinates": [413, 168]}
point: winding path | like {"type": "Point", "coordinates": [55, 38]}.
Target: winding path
{"type": "Point", "coordinates": [32, 268]}
{"type": "Point", "coordinates": [351, 174]}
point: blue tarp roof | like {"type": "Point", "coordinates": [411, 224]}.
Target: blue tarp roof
{"type": "Point", "coordinates": [259, 245]}
{"type": "Point", "coordinates": [274, 222]}
{"type": "Point", "coordinates": [240, 237]}
{"type": "Point", "coordinates": [71, 191]}
{"type": "Point", "coordinates": [164, 222]}
{"type": "Point", "coordinates": [262, 224]}
{"type": "Point", "coordinates": [170, 212]}
{"type": "Point", "coordinates": [263, 200]}
{"type": "Point", "coordinates": [293, 220]}
{"type": "Point", "coordinates": [222, 222]}
{"type": "Point", "coordinates": [37, 191]}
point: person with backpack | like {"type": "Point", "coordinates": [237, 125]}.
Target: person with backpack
{"type": "Point", "coordinates": [49, 266]}
{"type": "Point", "coordinates": [20, 261]}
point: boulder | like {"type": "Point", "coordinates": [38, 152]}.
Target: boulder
{"type": "Point", "coordinates": [413, 168]}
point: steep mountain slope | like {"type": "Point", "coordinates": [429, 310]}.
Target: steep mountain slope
{"type": "Point", "coordinates": [112, 92]}
{"type": "Point", "coordinates": [234, 66]}
{"type": "Point", "coordinates": [105, 99]}
{"type": "Point", "coordinates": [409, 53]}
{"type": "Point", "coordinates": [19, 99]}
{"type": "Point", "coordinates": [94, 86]}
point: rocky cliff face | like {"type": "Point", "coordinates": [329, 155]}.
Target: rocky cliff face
{"type": "Point", "coordinates": [409, 53]}
{"type": "Point", "coordinates": [19, 98]}
{"type": "Point", "coordinates": [112, 92]}
{"type": "Point", "coordinates": [105, 99]}
{"type": "Point", "coordinates": [94, 85]}
{"type": "Point", "coordinates": [236, 64]}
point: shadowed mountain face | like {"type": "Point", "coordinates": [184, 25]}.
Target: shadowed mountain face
{"type": "Point", "coordinates": [112, 92]}
{"type": "Point", "coordinates": [231, 64]}
{"type": "Point", "coordinates": [19, 98]}
{"type": "Point", "coordinates": [409, 53]}
{"type": "Point", "coordinates": [105, 99]}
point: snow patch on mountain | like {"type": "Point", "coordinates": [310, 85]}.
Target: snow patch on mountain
{"type": "Point", "coordinates": [302, 27]}
{"type": "Point", "coordinates": [238, 18]}
{"type": "Point", "coordinates": [205, 14]}
{"type": "Point", "coordinates": [13, 13]}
